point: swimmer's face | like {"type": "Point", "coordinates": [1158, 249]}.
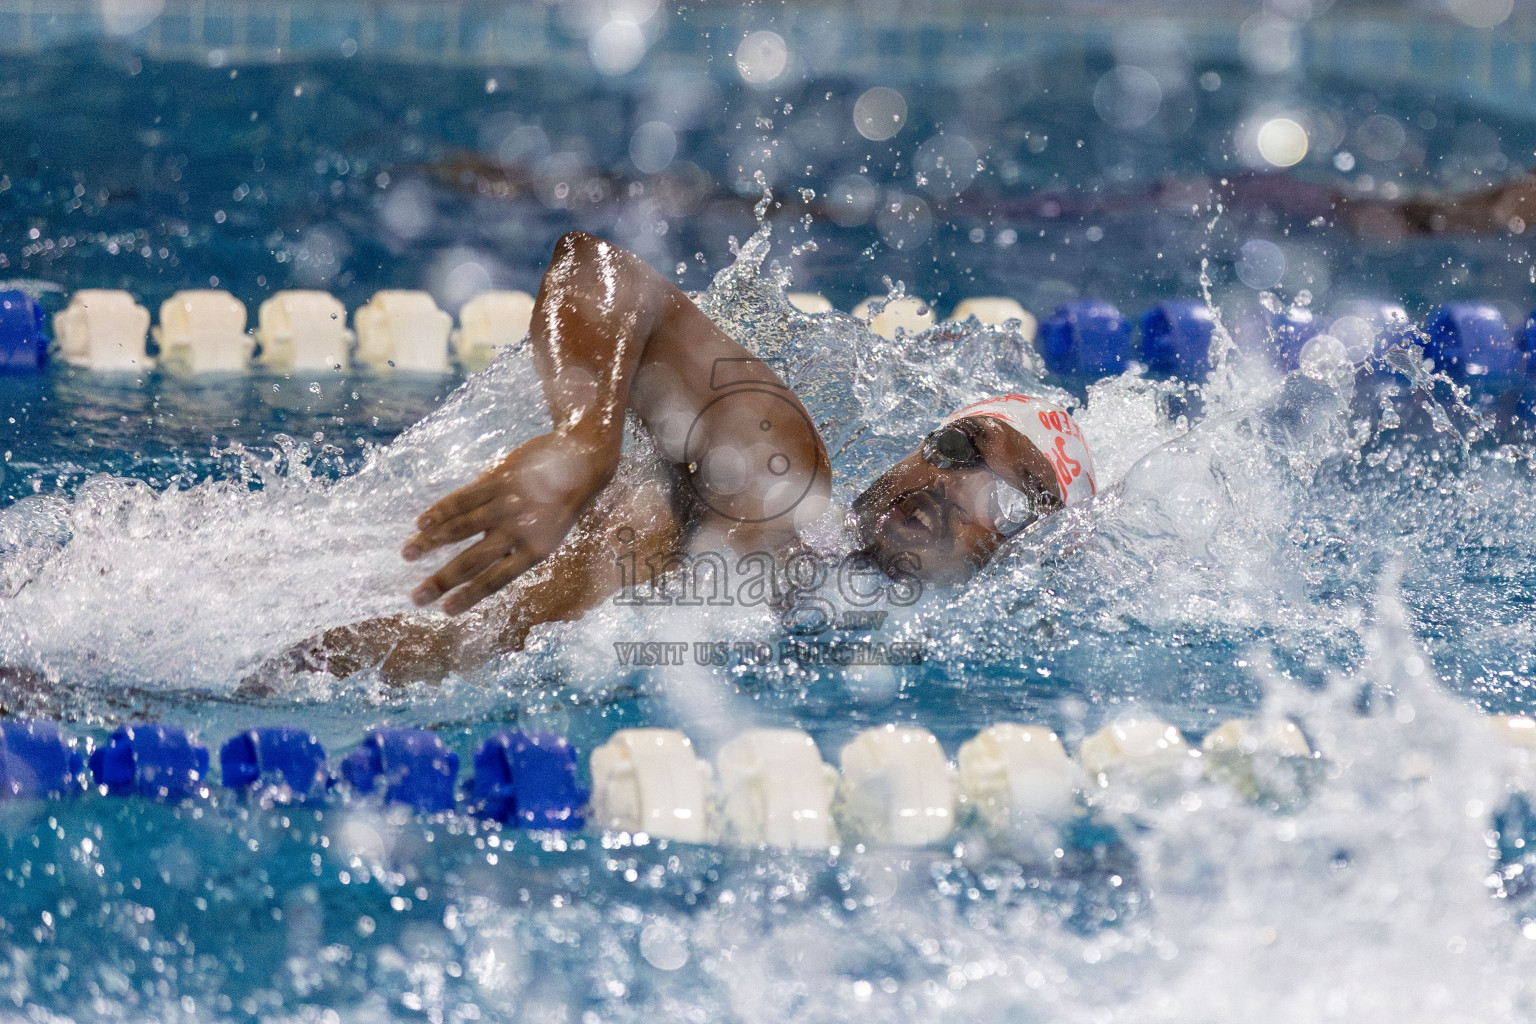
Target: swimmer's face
{"type": "Point", "coordinates": [939, 524]}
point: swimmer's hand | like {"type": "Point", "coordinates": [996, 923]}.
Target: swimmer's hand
{"type": "Point", "coordinates": [524, 507]}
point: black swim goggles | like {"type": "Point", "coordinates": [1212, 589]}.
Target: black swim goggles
{"type": "Point", "coordinates": [953, 446]}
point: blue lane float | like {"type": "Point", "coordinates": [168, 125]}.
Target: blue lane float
{"type": "Point", "coordinates": [1289, 332]}
{"type": "Point", "coordinates": [1369, 328]}
{"type": "Point", "coordinates": [1087, 338]}
{"type": "Point", "coordinates": [411, 765]}
{"type": "Point", "coordinates": [159, 762]}
{"type": "Point", "coordinates": [1394, 329]}
{"type": "Point", "coordinates": [275, 756]}
{"type": "Point", "coordinates": [1472, 340]}
{"type": "Point", "coordinates": [529, 781]}
{"type": "Point", "coordinates": [36, 761]}
{"type": "Point", "coordinates": [1176, 337]}
{"type": "Point", "coordinates": [23, 343]}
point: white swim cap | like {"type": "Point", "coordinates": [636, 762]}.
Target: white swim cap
{"type": "Point", "coordinates": [1049, 428]}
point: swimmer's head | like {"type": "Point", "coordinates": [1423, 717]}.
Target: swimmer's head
{"type": "Point", "coordinates": [986, 473]}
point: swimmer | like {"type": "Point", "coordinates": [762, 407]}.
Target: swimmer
{"type": "Point", "coordinates": [739, 463]}
{"type": "Point", "coordinates": [1496, 207]}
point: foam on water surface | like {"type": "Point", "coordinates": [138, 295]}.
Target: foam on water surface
{"type": "Point", "coordinates": [190, 587]}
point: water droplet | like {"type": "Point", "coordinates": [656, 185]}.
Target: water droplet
{"type": "Point", "coordinates": [664, 946]}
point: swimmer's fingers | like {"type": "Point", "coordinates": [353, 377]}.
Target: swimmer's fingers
{"type": "Point", "coordinates": [465, 499]}
{"type": "Point", "coordinates": [460, 527]}
{"type": "Point", "coordinates": [487, 583]}
{"type": "Point", "coordinates": [564, 467]}
{"type": "Point", "coordinates": [464, 567]}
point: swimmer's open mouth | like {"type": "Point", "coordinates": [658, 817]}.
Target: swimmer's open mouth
{"type": "Point", "coordinates": [918, 512]}
{"type": "Point", "coordinates": [915, 517]}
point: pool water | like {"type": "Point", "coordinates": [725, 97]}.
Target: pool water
{"type": "Point", "coordinates": [1350, 548]}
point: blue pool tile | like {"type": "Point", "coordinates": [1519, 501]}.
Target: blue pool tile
{"type": "Point", "coordinates": [388, 32]}
{"type": "Point", "coordinates": [55, 27]}
{"type": "Point", "coordinates": [930, 42]}
{"type": "Point", "coordinates": [175, 29]}
{"type": "Point", "coordinates": [261, 30]}
{"type": "Point", "coordinates": [1467, 57]}
{"type": "Point", "coordinates": [218, 31]}
{"type": "Point", "coordinates": [476, 30]}
{"type": "Point", "coordinates": [432, 35]}
{"type": "Point", "coordinates": [324, 30]}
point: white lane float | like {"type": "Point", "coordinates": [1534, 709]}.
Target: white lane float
{"type": "Point", "coordinates": [404, 330]}
{"type": "Point", "coordinates": [1267, 760]}
{"type": "Point", "coordinates": [776, 790]}
{"type": "Point", "coordinates": [1244, 736]}
{"type": "Point", "coordinates": [810, 302]}
{"type": "Point", "coordinates": [912, 315]}
{"type": "Point", "coordinates": [995, 311]}
{"type": "Point", "coordinates": [1518, 731]}
{"type": "Point", "coordinates": [488, 323]}
{"type": "Point", "coordinates": [1515, 737]}
{"type": "Point", "coordinates": [304, 330]}
{"type": "Point", "coordinates": [1015, 775]}
{"type": "Point", "coordinates": [1135, 762]}
{"type": "Point", "coordinates": [651, 781]}
{"type": "Point", "coordinates": [202, 330]}
{"type": "Point", "coordinates": [896, 788]}
{"type": "Point", "coordinates": [104, 329]}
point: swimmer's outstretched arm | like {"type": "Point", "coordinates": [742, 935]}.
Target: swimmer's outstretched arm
{"type": "Point", "coordinates": [609, 334]}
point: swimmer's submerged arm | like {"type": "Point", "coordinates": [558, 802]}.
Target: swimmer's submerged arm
{"type": "Point", "coordinates": [608, 334]}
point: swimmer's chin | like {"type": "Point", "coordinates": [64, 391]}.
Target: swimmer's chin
{"type": "Point", "coordinates": [904, 563]}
